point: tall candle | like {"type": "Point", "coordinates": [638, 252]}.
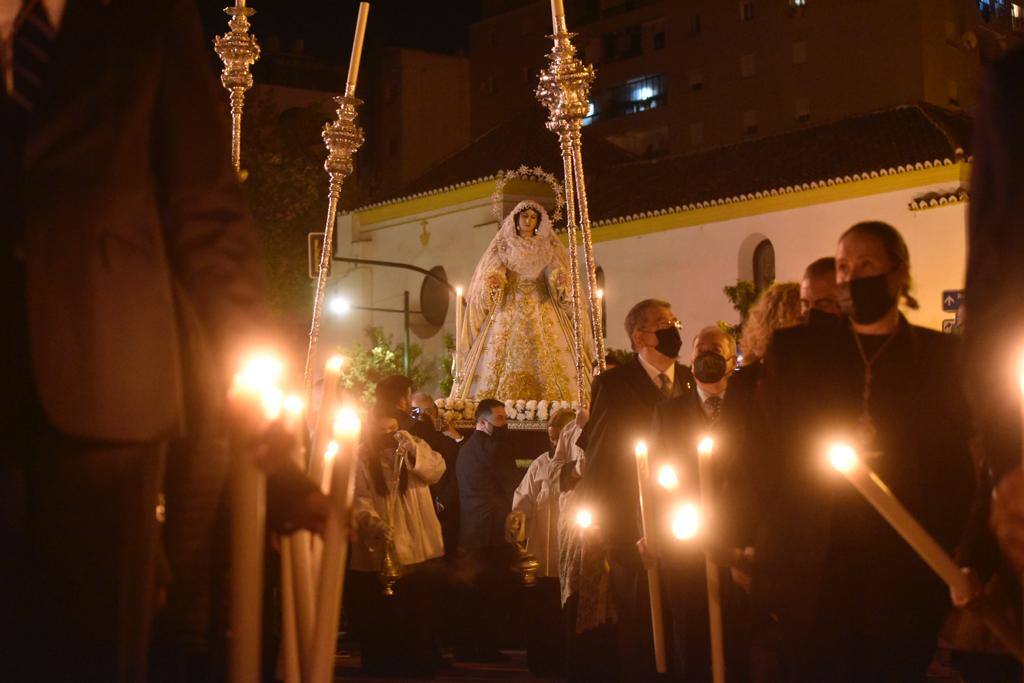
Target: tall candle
{"type": "Point", "coordinates": [456, 360]}
{"type": "Point", "coordinates": [643, 478]}
{"type": "Point", "coordinates": [705, 449]}
{"type": "Point", "coordinates": [332, 568]}
{"type": "Point", "coordinates": [255, 385]}
{"type": "Point", "coordinates": [325, 418]}
{"type": "Point", "coordinates": [844, 459]}
{"type": "Point", "coordinates": [558, 16]}
{"type": "Point", "coordinates": [357, 49]}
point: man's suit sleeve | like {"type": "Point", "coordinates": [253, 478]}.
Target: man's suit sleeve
{"type": "Point", "coordinates": [210, 236]}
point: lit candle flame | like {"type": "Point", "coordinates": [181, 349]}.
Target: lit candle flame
{"type": "Point", "coordinates": [842, 457]}
{"type": "Point", "coordinates": [706, 446]}
{"type": "Point", "coordinates": [346, 424]}
{"type": "Point", "coordinates": [667, 477]}
{"type": "Point", "coordinates": [600, 293]}
{"type": "Point", "coordinates": [686, 521]}
{"type": "Point", "coordinates": [332, 450]}
{"type": "Point", "coordinates": [258, 373]}
{"type": "Point", "coordinates": [458, 291]}
{"type": "Point", "coordinates": [641, 450]}
{"type": "Point", "coordinates": [584, 518]}
{"type": "Point", "coordinates": [334, 364]}
{"type": "Point", "coordinates": [293, 405]}
{"type": "Point", "coordinates": [272, 400]}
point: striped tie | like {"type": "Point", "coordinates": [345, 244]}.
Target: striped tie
{"type": "Point", "coordinates": [30, 54]}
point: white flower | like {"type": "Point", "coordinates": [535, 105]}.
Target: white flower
{"type": "Point", "coordinates": [469, 411]}
{"type": "Point", "coordinates": [520, 404]}
{"type": "Point", "coordinates": [522, 416]}
{"type": "Point", "coordinates": [530, 414]}
{"type": "Point", "coordinates": [439, 403]}
{"type": "Point", "coordinates": [531, 405]}
{"type": "Point", "coordinates": [575, 406]}
{"type": "Point", "coordinates": [459, 404]}
{"type": "Point", "coordinates": [542, 405]}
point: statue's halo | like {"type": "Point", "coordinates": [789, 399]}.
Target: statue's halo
{"type": "Point", "coordinates": [525, 172]}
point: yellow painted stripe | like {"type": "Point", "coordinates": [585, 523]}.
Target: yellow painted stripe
{"type": "Point", "coordinates": [782, 202]}
{"type": "Point", "coordinates": [447, 199]}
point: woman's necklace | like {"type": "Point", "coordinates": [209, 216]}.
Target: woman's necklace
{"type": "Point", "coordinates": [865, 424]}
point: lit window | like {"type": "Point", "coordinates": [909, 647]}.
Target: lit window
{"type": "Point", "coordinates": [802, 111]}
{"type": "Point", "coordinates": [797, 3]}
{"type": "Point", "coordinates": [747, 68]}
{"type": "Point", "coordinates": [1016, 16]}
{"type": "Point", "coordinates": [746, 10]}
{"type": "Point", "coordinates": [639, 94]}
{"type": "Point", "coordinates": [696, 79]}
{"type": "Point", "coordinates": [799, 52]}
{"type": "Point", "coordinates": [697, 134]}
{"type": "Point", "coordinates": [591, 114]}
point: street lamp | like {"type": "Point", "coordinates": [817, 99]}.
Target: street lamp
{"type": "Point", "coordinates": [339, 305]}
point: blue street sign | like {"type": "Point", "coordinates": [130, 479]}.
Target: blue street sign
{"type": "Point", "coordinates": [951, 299]}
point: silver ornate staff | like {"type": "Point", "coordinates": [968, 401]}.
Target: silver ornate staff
{"type": "Point", "coordinates": [239, 51]}
{"type": "Point", "coordinates": [564, 89]}
{"type": "Point", "coordinates": [343, 138]}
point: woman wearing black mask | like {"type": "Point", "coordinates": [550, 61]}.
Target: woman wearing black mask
{"type": "Point", "coordinates": [852, 600]}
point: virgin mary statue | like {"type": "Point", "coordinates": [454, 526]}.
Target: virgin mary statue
{"type": "Point", "coordinates": [518, 327]}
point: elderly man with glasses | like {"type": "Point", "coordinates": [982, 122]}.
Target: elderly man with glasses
{"type": "Point", "coordinates": [623, 404]}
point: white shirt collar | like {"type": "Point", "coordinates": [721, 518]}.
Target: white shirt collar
{"type": "Point", "coordinates": [653, 372]}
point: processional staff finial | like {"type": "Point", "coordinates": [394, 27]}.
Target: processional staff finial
{"type": "Point", "coordinates": [564, 89]}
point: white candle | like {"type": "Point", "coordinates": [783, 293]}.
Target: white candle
{"type": "Point", "coordinates": [357, 49]}
{"type": "Point", "coordinates": [457, 359]}
{"type": "Point", "coordinates": [255, 385]}
{"type": "Point", "coordinates": [332, 568]}
{"type": "Point", "coordinates": [289, 656]}
{"type": "Point", "coordinates": [643, 477]}
{"type": "Point", "coordinates": [844, 459]}
{"type": "Point", "coordinates": [558, 16]}
{"type": "Point", "coordinates": [705, 450]}
{"type": "Point", "coordinates": [325, 418]}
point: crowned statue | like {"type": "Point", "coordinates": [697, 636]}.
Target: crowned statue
{"type": "Point", "coordinates": [518, 332]}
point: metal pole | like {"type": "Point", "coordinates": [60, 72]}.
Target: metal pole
{"type": "Point", "coordinates": [405, 348]}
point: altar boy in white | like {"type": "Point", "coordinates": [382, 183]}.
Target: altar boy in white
{"type": "Point", "coordinates": [394, 513]}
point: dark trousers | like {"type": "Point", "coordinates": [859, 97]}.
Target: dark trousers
{"type": "Point", "coordinates": [590, 656]}
{"type": "Point", "coordinates": [79, 537]}
{"type": "Point", "coordinates": [486, 584]}
{"type": "Point", "coordinates": [545, 651]}
{"type": "Point", "coordinates": [634, 638]}
{"type": "Point", "coordinates": [397, 634]}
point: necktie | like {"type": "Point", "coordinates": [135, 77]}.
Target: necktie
{"type": "Point", "coordinates": [665, 384]}
{"type": "Point", "coordinates": [714, 406]}
{"type": "Point", "coordinates": [27, 55]}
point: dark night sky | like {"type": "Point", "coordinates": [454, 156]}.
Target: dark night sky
{"type": "Point", "coordinates": [326, 25]}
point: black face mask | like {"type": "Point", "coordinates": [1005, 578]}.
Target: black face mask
{"type": "Point", "coordinates": [499, 432]}
{"type": "Point", "coordinates": [709, 367]}
{"type": "Point", "coordinates": [867, 299]}
{"type": "Point", "coordinates": [821, 319]}
{"type": "Point", "coordinates": [669, 341]}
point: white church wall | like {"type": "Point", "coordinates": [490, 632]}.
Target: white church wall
{"type": "Point", "coordinates": [688, 265]}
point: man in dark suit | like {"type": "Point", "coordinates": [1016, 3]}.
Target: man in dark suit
{"type": "Point", "coordinates": [118, 207]}
{"type": "Point", "coordinates": [719, 408]}
{"type": "Point", "coordinates": [487, 478]}
{"type": "Point", "coordinates": [622, 407]}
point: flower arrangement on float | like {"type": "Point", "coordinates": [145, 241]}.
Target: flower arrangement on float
{"type": "Point", "coordinates": [456, 410]}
